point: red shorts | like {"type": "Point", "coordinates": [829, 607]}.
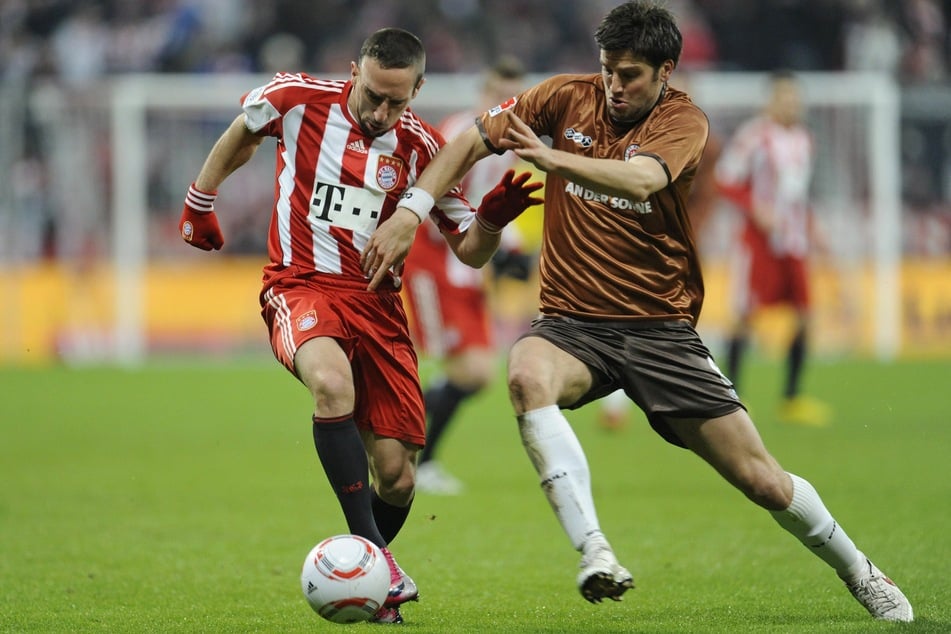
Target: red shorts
{"type": "Point", "coordinates": [768, 279]}
{"type": "Point", "coordinates": [447, 302]}
{"type": "Point", "coordinates": [371, 327]}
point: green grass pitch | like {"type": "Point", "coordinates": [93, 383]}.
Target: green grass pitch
{"type": "Point", "coordinates": [183, 498]}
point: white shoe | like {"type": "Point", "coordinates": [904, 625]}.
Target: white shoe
{"type": "Point", "coordinates": [431, 478]}
{"type": "Point", "coordinates": [601, 576]}
{"type": "Point", "coordinates": [879, 594]}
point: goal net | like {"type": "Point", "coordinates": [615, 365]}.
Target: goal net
{"type": "Point", "coordinates": [124, 152]}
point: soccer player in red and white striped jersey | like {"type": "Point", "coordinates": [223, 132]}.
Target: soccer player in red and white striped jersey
{"type": "Point", "coordinates": [766, 171]}
{"type": "Point", "coordinates": [346, 151]}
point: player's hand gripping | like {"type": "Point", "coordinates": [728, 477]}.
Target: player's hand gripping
{"type": "Point", "coordinates": [509, 198]}
{"type": "Point", "coordinates": [199, 224]}
{"type": "Point", "coordinates": [388, 246]}
{"type": "Point", "coordinates": [527, 145]}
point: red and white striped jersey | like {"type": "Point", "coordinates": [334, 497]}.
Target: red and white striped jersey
{"type": "Point", "coordinates": [769, 164]}
{"type": "Point", "coordinates": [334, 184]}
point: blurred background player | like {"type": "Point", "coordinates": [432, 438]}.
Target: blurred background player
{"type": "Point", "coordinates": [451, 320]}
{"type": "Point", "coordinates": [766, 171]}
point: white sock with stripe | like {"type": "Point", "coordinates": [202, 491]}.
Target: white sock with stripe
{"type": "Point", "coordinates": [811, 523]}
{"type": "Point", "coordinates": [558, 458]}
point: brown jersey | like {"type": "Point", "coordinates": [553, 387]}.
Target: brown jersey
{"type": "Point", "coordinates": [604, 257]}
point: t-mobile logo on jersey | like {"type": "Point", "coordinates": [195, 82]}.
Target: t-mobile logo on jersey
{"type": "Point", "coordinates": [347, 207]}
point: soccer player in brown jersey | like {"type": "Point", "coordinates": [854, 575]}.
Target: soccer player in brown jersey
{"type": "Point", "coordinates": [621, 291]}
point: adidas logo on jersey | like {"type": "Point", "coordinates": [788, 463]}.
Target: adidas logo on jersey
{"type": "Point", "coordinates": [358, 146]}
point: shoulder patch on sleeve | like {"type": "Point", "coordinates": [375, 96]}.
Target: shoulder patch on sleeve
{"type": "Point", "coordinates": [259, 112]}
{"type": "Point", "coordinates": [502, 107]}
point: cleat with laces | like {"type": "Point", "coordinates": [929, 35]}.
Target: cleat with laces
{"type": "Point", "coordinates": [402, 587]}
{"type": "Point", "coordinates": [387, 616]}
{"type": "Point", "coordinates": [879, 595]}
{"type": "Point", "coordinates": [601, 576]}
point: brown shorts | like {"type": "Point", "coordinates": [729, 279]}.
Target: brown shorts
{"type": "Point", "coordinates": [662, 366]}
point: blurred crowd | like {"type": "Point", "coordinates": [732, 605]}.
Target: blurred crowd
{"type": "Point", "coordinates": [75, 44]}
{"type": "Point", "coordinates": [78, 40]}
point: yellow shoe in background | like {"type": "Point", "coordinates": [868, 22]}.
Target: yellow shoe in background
{"type": "Point", "coordinates": [805, 411]}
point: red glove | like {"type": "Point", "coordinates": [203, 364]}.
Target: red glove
{"type": "Point", "coordinates": [507, 200]}
{"type": "Point", "coordinates": [199, 224]}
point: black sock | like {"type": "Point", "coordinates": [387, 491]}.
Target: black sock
{"type": "Point", "coordinates": [344, 459]}
{"type": "Point", "coordinates": [794, 363]}
{"type": "Point", "coordinates": [441, 403]}
{"type": "Point", "coordinates": [735, 350]}
{"type": "Point", "coordinates": [389, 518]}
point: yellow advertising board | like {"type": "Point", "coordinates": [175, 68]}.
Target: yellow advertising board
{"type": "Point", "coordinates": [51, 312]}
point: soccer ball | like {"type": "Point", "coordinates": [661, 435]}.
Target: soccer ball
{"type": "Point", "coordinates": [345, 579]}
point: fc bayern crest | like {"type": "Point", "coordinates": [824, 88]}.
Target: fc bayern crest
{"type": "Point", "coordinates": [389, 169]}
{"type": "Point", "coordinates": [307, 321]}
{"type": "Point", "coordinates": [631, 151]}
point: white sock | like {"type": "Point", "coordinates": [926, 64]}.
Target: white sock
{"type": "Point", "coordinates": [811, 523]}
{"type": "Point", "coordinates": [558, 458]}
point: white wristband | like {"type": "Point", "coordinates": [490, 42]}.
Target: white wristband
{"type": "Point", "coordinates": [417, 200]}
{"type": "Point", "coordinates": [202, 202]}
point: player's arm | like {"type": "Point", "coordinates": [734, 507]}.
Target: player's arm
{"type": "Point", "coordinates": [758, 213]}
{"type": "Point", "coordinates": [390, 243]}
{"type": "Point", "coordinates": [199, 224]}
{"type": "Point", "coordinates": [474, 246]}
{"type": "Point", "coordinates": [500, 206]}
{"type": "Point", "coordinates": [733, 174]}
{"type": "Point", "coordinates": [505, 202]}
{"type": "Point", "coordinates": [635, 179]}
{"type": "Point", "coordinates": [234, 148]}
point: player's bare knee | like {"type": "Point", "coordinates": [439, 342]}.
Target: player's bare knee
{"type": "Point", "coordinates": [399, 493]}
{"type": "Point", "coordinates": [526, 391]}
{"type": "Point", "coordinates": [331, 390]}
{"type": "Point", "coordinates": [395, 486]}
{"type": "Point", "coordinates": [768, 489]}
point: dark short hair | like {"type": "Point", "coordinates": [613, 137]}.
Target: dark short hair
{"type": "Point", "coordinates": [395, 48]}
{"type": "Point", "coordinates": [646, 29]}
